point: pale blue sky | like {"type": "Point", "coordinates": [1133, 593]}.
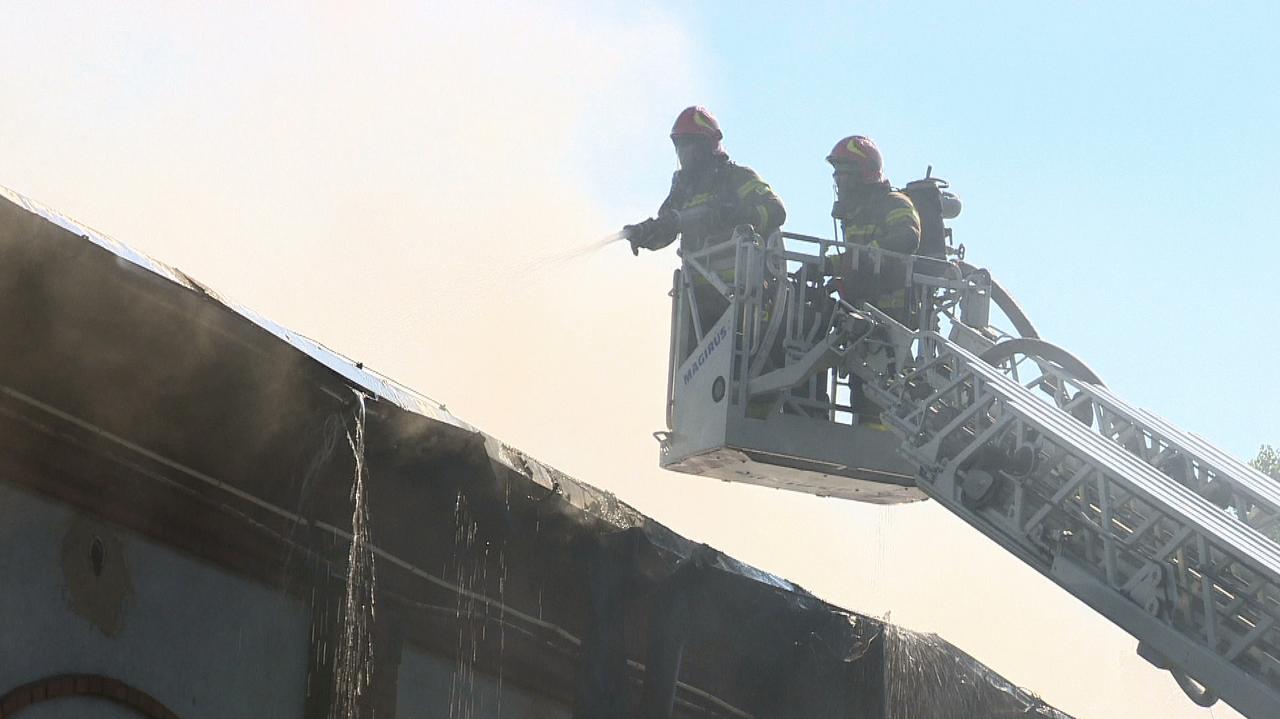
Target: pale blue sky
{"type": "Point", "coordinates": [1118, 163]}
{"type": "Point", "coordinates": [392, 179]}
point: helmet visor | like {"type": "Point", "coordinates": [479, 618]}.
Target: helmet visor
{"type": "Point", "coordinates": [693, 151]}
{"type": "Point", "coordinates": [848, 180]}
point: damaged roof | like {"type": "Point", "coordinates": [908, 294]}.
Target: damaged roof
{"type": "Point", "coordinates": [600, 502]}
{"type": "Point", "coordinates": [924, 675]}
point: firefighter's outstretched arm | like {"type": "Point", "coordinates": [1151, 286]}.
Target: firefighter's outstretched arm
{"type": "Point", "coordinates": [653, 233]}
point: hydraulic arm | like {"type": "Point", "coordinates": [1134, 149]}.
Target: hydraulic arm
{"type": "Point", "coordinates": [1154, 528]}
{"type": "Point", "coordinates": [1121, 528]}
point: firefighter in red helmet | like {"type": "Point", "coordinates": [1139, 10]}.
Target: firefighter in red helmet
{"type": "Point", "coordinates": [710, 194]}
{"type": "Point", "coordinates": [871, 214]}
{"type": "Point", "coordinates": [869, 211]}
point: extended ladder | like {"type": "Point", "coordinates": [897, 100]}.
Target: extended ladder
{"type": "Point", "coordinates": [1153, 528]}
{"type": "Point", "coordinates": [1156, 529]}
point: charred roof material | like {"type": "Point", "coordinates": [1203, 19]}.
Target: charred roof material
{"type": "Point", "coordinates": [223, 434]}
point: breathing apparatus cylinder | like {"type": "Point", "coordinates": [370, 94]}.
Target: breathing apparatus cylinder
{"type": "Point", "coordinates": [934, 204]}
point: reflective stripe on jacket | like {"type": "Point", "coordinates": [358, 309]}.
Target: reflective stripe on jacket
{"type": "Point", "coordinates": [886, 220]}
{"type": "Point", "coordinates": [737, 192]}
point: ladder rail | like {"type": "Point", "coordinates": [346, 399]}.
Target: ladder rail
{"type": "Point", "coordinates": [1117, 506]}
{"type": "Point", "coordinates": [1260, 491]}
{"type": "Point", "coordinates": [1191, 505]}
{"type": "Point", "coordinates": [1207, 585]}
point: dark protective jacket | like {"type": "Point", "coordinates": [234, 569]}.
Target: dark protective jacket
{"type": "Point", "coordinates": [739, 193]}
{"type": "Point", "coordinates": [887, 220]}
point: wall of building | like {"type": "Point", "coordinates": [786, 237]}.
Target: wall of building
{"type": "Point", "coordinates": [429, 686]}
{"type": "Point", "coordinates": [79, 708]}
{"type": "Point", "coordinates": [84, 597]}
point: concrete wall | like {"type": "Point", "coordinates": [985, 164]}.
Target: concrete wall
{"type": "Point", "coordinates": [78, 707]}
{"type": "Point", "coordinates": [425, 684]}
{"type": "Point", "coordinates": [80, 596]}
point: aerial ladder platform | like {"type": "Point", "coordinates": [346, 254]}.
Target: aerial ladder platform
{"type": "Point", "coordinates": [772, 372]}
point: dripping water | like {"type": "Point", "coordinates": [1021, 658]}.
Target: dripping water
{"type": "Point", "coordinates": [467, 573]}
{"type": "Point", "coordinates": [502, 597]}
{"type": "Point", "coordinates": [537, 537]}
{"type": "Point", "coordinates": [353, 663]}
{"type": "Point", "coordinates": [882, 528]}
{"type": "Point", "coordinates": [330, 430]}
{"type": "Point", "coordinates": [473, 558]}
{"type": "Point", "coordinates": [923, 676]}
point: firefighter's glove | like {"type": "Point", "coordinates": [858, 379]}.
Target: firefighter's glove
{"type": "Point", "coordinates": [633, 234]}
{"type": "Point", "coordinates": [639, 235]}
{"type": "Point", "coordinates": [653, 232]}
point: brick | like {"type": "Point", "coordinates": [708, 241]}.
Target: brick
{"type": "Point", "coordinates": [58, 687]}
{"type": "Point", "coordinates": [83, 685]}
{"type": "Point", "coordinates": [17, 699]}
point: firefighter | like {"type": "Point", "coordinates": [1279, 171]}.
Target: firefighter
{"type": "Point", "coordinates": [871, 214]}
{"type": "Point", "coordinates": [710, 194]}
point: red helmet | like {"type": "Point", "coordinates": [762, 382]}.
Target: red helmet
{"type": "Point", "coordinates": [860, 152]}
{"type": "Point", "coordinates": [697, 120]}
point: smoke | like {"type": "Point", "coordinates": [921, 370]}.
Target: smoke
{"type": "Point", "coordinates": [401, 183]}
{"type": "Point", "coordinates": [410, 184]}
